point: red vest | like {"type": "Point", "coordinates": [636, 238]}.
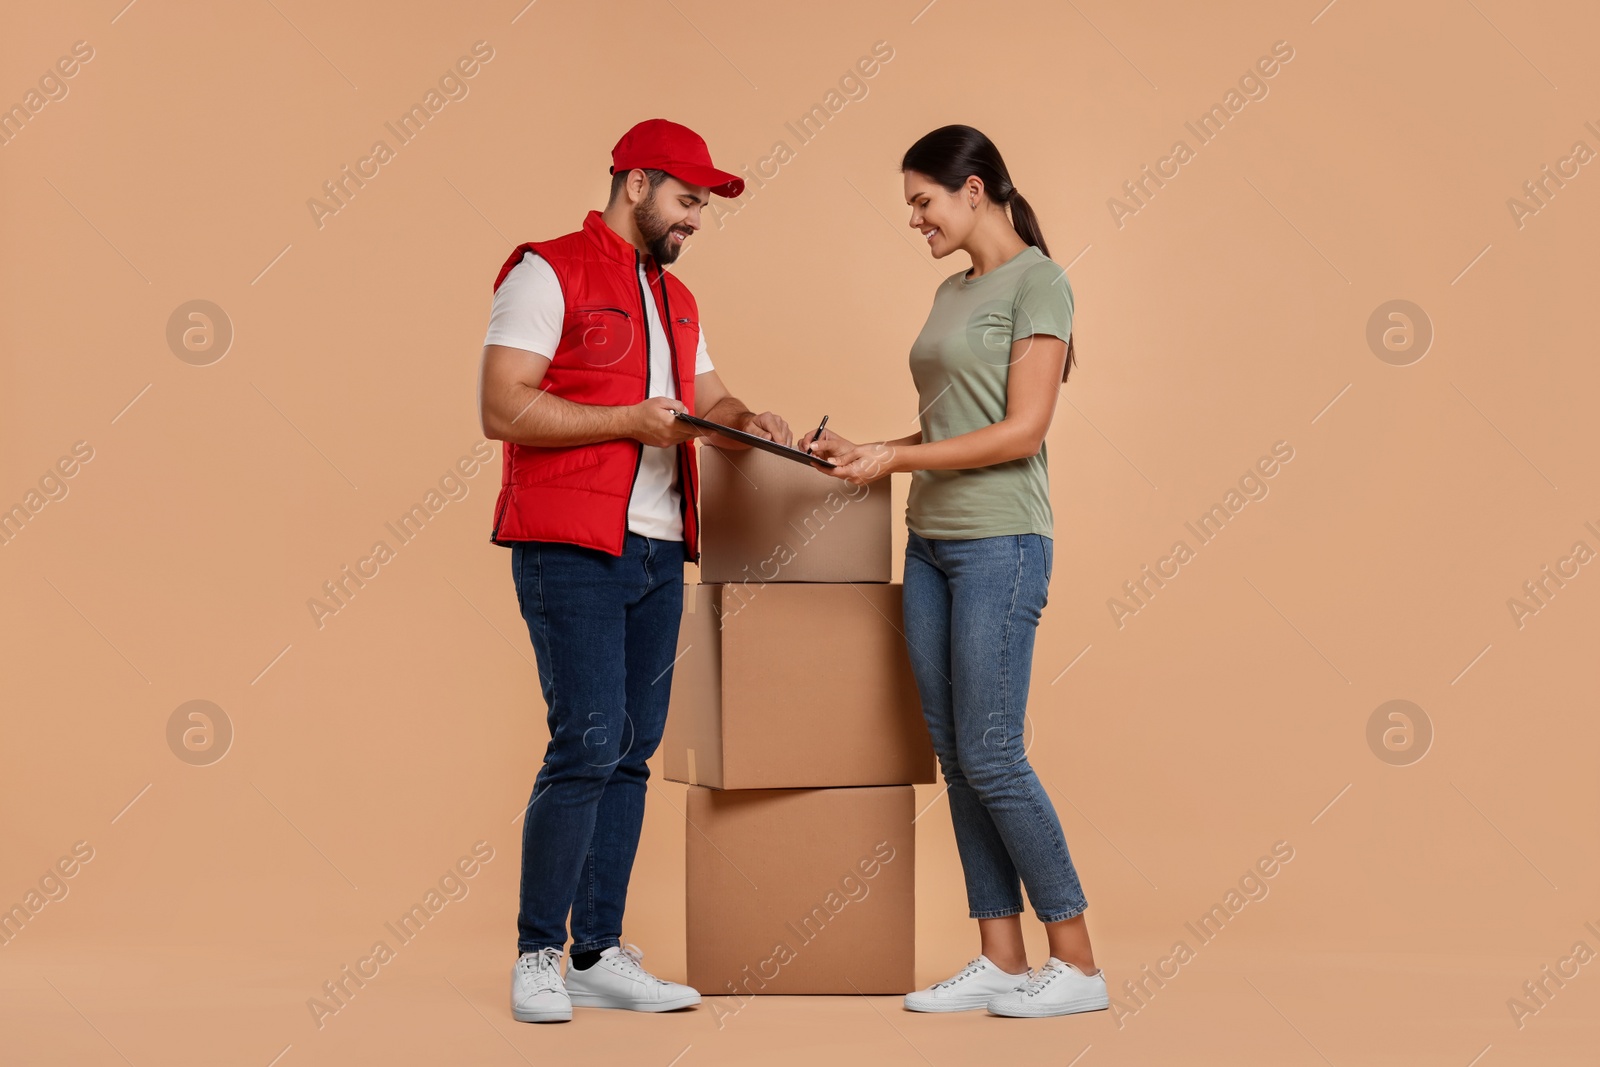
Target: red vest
{"type": "Point", "coordinates": [579, 494]}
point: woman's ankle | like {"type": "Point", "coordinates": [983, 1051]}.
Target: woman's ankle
{"type": "Point", "coordinates": [1079, 960]}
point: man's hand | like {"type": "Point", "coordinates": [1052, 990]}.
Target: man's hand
{"type": "Point", "coordinates": [767, 425]}
{"type": "Point", "coordinates": [653, 423]}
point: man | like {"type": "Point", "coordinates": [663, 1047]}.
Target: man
{"type": "Point", "coordinates": [591, 348]}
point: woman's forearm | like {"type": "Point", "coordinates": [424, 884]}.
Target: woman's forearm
{"type": "Point", "coordinates": [998, 442]}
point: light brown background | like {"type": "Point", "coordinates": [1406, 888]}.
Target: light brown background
{"type": "Point", "coordinates": [1228, 314]}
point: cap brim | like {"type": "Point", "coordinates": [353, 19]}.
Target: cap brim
{"type": "Point", "coordinates": [718, 181]}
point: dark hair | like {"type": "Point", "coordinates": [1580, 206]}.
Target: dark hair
{"type": "Point", "coordinates": [952, 154]}
{"type": "Point", "coordinates": [653, 176]}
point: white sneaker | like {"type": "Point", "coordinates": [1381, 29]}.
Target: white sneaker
{"type": "Point", "coordinates": [537, 992]}
{"type": "Point", "coordinates": [617, 981]}
{"type": "Point", "coordinates": [1057, 988]}
{"type": "Point", "coordinates": [979, 982]}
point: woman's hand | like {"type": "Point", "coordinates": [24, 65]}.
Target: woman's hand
{"type": "Point", "coordinates": [828, 445]}
{"type": "Point", "coordinates": [861, 464]}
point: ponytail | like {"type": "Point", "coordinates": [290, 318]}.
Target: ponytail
{"type": "Point", "coordinates": [1023, 220]}
{"type": "Point", "coordinates": [950, 155]}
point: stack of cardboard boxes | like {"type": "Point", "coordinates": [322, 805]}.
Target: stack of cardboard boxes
{"type": "Point", "coordinates": [795, 721]}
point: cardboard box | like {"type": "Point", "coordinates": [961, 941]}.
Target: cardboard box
{"type": "Point", "coordinates": [766, 518]}
{"type": "Point", "coordinates": [794, 686]}
{"type": "Point", "coordinates": [801, 891]}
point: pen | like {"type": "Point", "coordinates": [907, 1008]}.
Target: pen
{"type": "Point", "coordinates": [817, 434]}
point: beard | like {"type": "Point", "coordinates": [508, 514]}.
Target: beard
{"type": "Point", "coordinates": [657, 232]}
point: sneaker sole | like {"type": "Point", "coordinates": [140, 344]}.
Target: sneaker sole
{"type": "Point", "coordinates": [945, 1004]}
{"type": "Point", "coordinates": [548, 1015]}
{"type": "Point", "coordinates": [1044, 1013]}
{"type": "Point", "coordinates": [600, 1000]}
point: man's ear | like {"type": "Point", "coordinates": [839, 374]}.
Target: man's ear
{"type": "Point", "coordinates": [638, 186]}
{"type": "Point", "coordinates": [623, 193]}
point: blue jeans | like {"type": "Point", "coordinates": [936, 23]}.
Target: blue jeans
{"type": "Point", "coordinates": [971, 610]}
{"type": "Point", "coordinates": [605, 634]}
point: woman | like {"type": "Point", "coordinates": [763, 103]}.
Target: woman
{"type": "Point", "coordinates": [987, 366]}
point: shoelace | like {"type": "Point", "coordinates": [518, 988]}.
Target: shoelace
{"type": "Point", "coordinates": [1040, 979]}
{"type": "Point", "coordinates": [975, 965]}
{"type": "Point", "coordinates": [544, 966]}
{"type": "Point", "coordinates": [631, 958]}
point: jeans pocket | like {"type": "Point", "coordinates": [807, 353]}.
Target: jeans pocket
{"type": "Point", "coordinates": [1047, 546]}
{"type": "Point", "coordinates": [516, 576]}
{"type": "Point", "coordinates": [525, 574]}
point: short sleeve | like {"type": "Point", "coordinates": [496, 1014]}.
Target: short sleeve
{"type": "Point", "coordinates": [528, 308]}
{"type": "Point", "coordinates": [1043, 303]}
{"type": "Point", "coordinates": [702, 361]}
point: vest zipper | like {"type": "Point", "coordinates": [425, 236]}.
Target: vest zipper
{"type": "Point", "coordinates": [494, 535]}
{"type": "Point", "coordinates": [644, 320]}
{"type": "Point", "coordinates": [677, 377]}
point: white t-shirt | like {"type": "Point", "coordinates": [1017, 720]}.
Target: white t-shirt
{"type": "Point", "coordinates": [527, 313]}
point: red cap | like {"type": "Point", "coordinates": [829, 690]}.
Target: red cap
{"type": "Point", "coordinates": [656, 144]}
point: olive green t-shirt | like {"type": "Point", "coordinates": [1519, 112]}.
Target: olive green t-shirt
{"type": "Point", "coordinates": [960, 362]}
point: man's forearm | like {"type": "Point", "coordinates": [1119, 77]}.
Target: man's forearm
{"type": "Point", "coordinates": [729, 411]}
{"type": "Point", "coordinates": [545, 420]}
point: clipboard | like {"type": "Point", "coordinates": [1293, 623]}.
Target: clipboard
{"type": "Point", "coordinates": [756, 442]}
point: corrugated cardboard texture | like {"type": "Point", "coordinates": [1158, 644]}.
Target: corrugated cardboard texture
{"type": "Point", "coordinates": [767, 518]}
{"type": "Point", "coordinates": [801, 890]}
{"type": "Point", "coordinates": [795, 685]}
{"type": "Point", "coordinates": [691, 745]}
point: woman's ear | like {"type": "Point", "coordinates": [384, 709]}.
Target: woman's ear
{"type": "Point", "coordinates": [974, 191]}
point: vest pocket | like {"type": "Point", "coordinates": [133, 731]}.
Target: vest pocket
{"type": "Point", "coordinates": [546, 465]}
{"type": "Point", "coordinates": [599, 335]}
{"type": "Point", "coordinates": [686, 338]}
